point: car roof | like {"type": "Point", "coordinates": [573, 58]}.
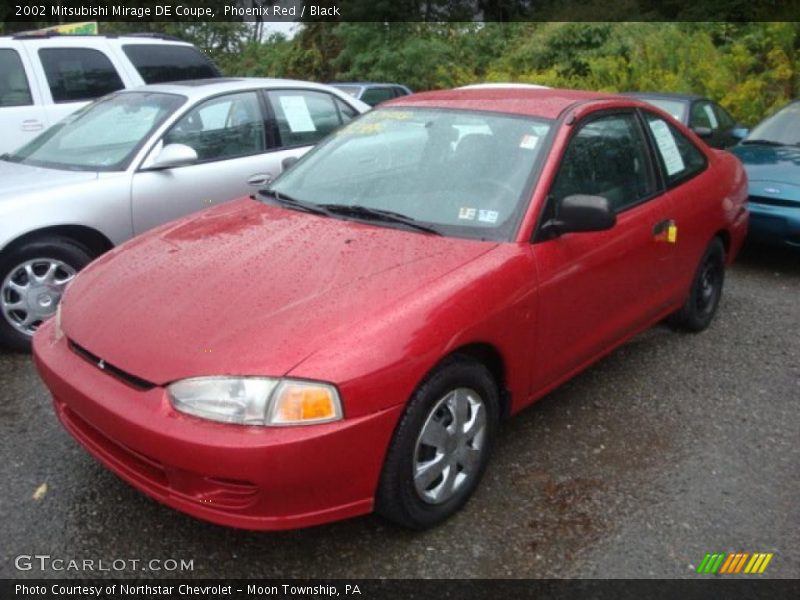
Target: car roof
{"type": "Point", "coordinates": [666, 96]}
{"type": "Point", "coordinates": [366, 84]}
{"type": "Point", "coordinates": [546, 103]}
{"type": "Point", "coordinates": [200, 88]}
{"type": "Point", "coordinates": [84, 39]}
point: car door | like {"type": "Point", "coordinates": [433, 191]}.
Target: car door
{"type": "Point", "coordinates": [681, 162]}
{"type": "Point", "coordinates": [228, 133]}
{"type": "Point", "coordinates": [597, 288]}
{"type": "Point", "coordinates": [22, 115]}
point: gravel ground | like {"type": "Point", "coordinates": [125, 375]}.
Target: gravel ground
{"type": "Point", "coordinates": [673, 446]}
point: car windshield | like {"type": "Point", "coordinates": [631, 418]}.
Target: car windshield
{"type": "Point", "coordinates": [452, 172]}
{"type": "Point", "coordinates": [782, 128]}
{"type": "Point", "coordinates": [675, 108]}
{"type": "Point", "coordinates": [103, 136]}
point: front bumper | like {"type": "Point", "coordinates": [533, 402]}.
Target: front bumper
{"type": "Point", "coordinates": [249, 477]}
{"type": "Point", "coordinates": [773, 224]}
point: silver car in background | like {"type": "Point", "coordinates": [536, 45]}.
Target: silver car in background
{"type": "Point", "coordinates": [138, 158]}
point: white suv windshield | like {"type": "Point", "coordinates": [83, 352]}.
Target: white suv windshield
{"type": "Point", "coordinates": [101, 137]}
{"type": "Point", "coordinates": [460, 173]}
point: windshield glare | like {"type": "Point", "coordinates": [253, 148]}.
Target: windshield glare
{"type": "Point", "coordinates": [103, 136]}
{"type": "Point", "coordinates": [781, 128]}
{"type": "Point", "coordinates": [465, 174]}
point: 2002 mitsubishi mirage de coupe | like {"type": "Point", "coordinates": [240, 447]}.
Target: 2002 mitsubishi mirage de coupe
{"type": "Point", "coordinates": [348, 339]}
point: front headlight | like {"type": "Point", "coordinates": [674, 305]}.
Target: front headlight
{"type": "Point", "coordinates": [257, 400]}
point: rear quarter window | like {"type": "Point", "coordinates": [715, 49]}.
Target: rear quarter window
{"type": "Point", "coordinates": [159, 63]}
{"type": "Point", "coordinates": [679, 157]}
{"type": "Point", "coordinates": [76, 74]}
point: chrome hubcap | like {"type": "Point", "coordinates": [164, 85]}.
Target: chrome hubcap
{"type": "Point", "coordinates": [31, 292]}
{"type": "Point", "coordinates": [450, 445]}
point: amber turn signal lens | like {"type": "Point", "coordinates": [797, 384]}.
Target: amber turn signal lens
{"type": "Point", "coordinates": [304, 402]}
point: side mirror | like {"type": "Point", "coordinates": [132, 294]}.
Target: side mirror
{"type": "Point", "coordinates": [288, 162]}
{"type": "Point", "coordinates": [174, 155]}
{"type": "Point", "coordinates": [580, 213]}
{"type": "Point", "coordinates": [740, 132]}
{"type": "Point", "coordinates": [703, 132]}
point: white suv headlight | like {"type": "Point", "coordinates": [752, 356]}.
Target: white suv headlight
{"type": "Point", "coordinates": [257, 400]}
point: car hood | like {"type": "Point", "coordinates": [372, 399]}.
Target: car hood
{"type": "Point", "coordinates": [17, 179]}
{"type": "Point", "coordinates": [245, 289]}
{"type": "Point", "coordinates": [780, 164]}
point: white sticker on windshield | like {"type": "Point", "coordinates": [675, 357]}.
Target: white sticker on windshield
{"type": "Point", "coordinates": [673, 160]}
{"type": "Point", "coordinates": [467, 214]}
{"type": "Point", "coordinates": [296, 112]}
{"type": "Point", "coordinates": [529, 141]}
{"type": "Point", "coordinates": [488, 216]}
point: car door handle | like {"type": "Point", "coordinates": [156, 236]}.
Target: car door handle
{"type": "Point", "coordinates": [666, 231]}
{"type": "Point", "coordinates": [260, 179]}
{"type": "Point", "coordinates": [32, 125]}
{"type": "Point", "coordinates": [662, 226]}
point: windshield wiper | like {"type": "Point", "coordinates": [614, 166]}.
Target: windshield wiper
{"type": "Point", "coordinates": [376, 214]}
{"type": "Point", "coordinates": [294, 203]}
{"type": "Point", "coordinates": [763, 142]}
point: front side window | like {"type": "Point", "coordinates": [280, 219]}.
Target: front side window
{"type": "Point", "coordinates": [679, 157]}
{"type": "Point", "coordinates": [607, 157]}
{"type": "Point", "coordinates": [303, 117]}
{"type": "Point", "coordinates": [76, 74]}
{"type": "Point", "coordinates": [103, 136]}
{"type": "Point", "coordinates": [14, 89]}
{"type": "Point", "coordinates": [159, 63]}
{"type": "Point", "coordinates": [461, 173]}
{"type": "Point", "coordinates": [223, 127]}
{"type": "Point", "coordinates": [703, 115]}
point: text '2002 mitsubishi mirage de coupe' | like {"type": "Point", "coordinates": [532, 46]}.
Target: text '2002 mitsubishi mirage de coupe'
{"type": "Point", "coordinates": [348, 339]}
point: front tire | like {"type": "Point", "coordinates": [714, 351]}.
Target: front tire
{"type": "Point", "coordinates": [33, 278]}
{"type": "Point", "coordinates": [441, 446]}
{"type": "Point", "coordinates": [705, 293]}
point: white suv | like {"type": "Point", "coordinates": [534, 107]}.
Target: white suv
{"type": "Point", "coordinates": [43, 78]}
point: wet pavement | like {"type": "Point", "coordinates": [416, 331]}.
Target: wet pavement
{"type": "Point", "coordinates": [673, 446]}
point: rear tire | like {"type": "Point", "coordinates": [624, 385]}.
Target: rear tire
{"type": "Point", "coordinates": [705, 293]}
{"type": "Point", "coordinates": [441, 445]}
{"type": "Point", "coordinates": [32, 280]}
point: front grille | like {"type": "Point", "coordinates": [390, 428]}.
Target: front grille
{"type": "Point", "coordinates": [123, 376]}
{"type": "Point", "coordinates": [775, 201]}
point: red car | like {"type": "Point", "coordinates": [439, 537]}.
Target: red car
{"type": "Point", "coordinates": [348, 339]}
